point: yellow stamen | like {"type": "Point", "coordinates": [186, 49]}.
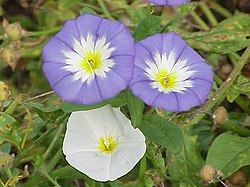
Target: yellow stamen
{"type": "Point", "coordinates": [165, 79]}
{"type": "Point", "coordinates": [107, 144]}
{"type": "Point", "coordinates": [91, 62]}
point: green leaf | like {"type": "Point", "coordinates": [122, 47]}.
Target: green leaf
{"type": "Point", "coordinates": [228, 153]}
{"type": "Point", "coordinates": [66, 4]}
{"type": "Point", "coordinates": [147, 27]}
{"type": "Point", "coordinates": [163, 132]}
{"type": "Point", "coordinates": [117, 101]}
{"type": "Point", "coordinates": [229, 36]}
{"type": "Point", "coordinates": [156, 158]}
{"type": "Point", "coordinates": [87, 10]}
{"type": "Point", "coordinates": [135, 106]}
{"type": "Point", "coordinates": [241, 86]}
{"type": "Point", "coordinates": [185, 166]}
{"type": "Point", "coordinates": [42, 107]}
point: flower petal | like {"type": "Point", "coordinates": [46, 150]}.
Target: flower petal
{"type": "Point", "coordinates": [171, 59]}
{"type": "Point", "coordinates": [167, 2]}
{"type": "Point", "coordinates": [80, 145]}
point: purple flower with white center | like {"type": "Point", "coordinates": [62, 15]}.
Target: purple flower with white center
{"type": "Point", "coordinates": [167, 2]}
{"type": "Point", "coordinates": [169, 74]}
{"type": "Point", "coordinates": [89, 60]}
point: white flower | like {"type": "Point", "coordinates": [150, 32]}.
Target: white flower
{"type": "Point", "coordinates": [102, 143]}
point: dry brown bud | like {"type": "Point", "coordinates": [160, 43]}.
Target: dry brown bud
{"type": "Point", "coordinates": [12, 31]}
{"type": "Point", "coordinates": [220, 115]}
{"type": "Point", "coordinates": [238, 178]}
{"type": "Point", "coordinates": [10, 55]}
{"type": "Point", "coordinates": [4, 91]}
{"type": "Point", "coordinates": [207, 173]}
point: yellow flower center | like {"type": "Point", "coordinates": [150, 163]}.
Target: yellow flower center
{"type": "Point", "coordinates": [91, 62]}
{"type": "Point", "coordinates": [107, 144]}
{"type": "Point", "coordinates": [165, 79]}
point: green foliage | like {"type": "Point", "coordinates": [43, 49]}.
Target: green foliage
{"type": "Point", "coordinates": [32, 124]}
{"type": "Point", "coordinates": [228, 153]}
{"type": "Point", "coordinates": [229, 36]}
{"type": "Point", "coordinates": [147, 27]}
{"type": "Point", "coordinates": [241, 86]}
{"type": "Point", "coordinates": [185, 166]}
{"type": "Point", "coordinates": [163, 132]}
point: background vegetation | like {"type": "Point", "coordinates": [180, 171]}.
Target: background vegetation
{"type": "Point", "coordinates": [33, 118]}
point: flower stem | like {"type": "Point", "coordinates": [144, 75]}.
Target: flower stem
{"type": "Point", "coordinates": [220, 9]}
{"type": "Point", "coordinates": [45, 32]}
{"type": "Point", "coordinates": [143, 165]}
{"type": "Point", "coordinates": [51, 146]}
{"type": "Point", "coordinates": [219, 95]}
{"type": "Point", "coordinates": [199, 21]}
{"type": "Point", "coordinates": [28, 128]}
{"type": "Point", "coordinates": [105, 9]}
{"type": "Point", "coordinates": [51, 180]}
{"type": "Point", "coordinates": [54, 160]}
{"type": "Point", "coordinates": [210, 16]}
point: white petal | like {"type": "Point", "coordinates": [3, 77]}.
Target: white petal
{"type": "Point", "coordinates": [80, 144]}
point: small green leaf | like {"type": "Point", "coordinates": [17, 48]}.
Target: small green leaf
{"type": "Point", "coordinates": [228, 153]}
{"type": "Point", "coordinates": [163, 132]}
{"type": "Point", "coordinates": [87, 10]}
{"type": "Point", "coordinates": [135, 106]}
{"type": "Point", "coordinates": [147, 27]}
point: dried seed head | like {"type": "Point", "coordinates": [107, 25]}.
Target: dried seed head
{"type": "Point", "coordinates": [4, 91]}
{"type": "Point", "coordinates": [207, 173]}
{"type": "Point", "coordinates": [10, 56]}
{"type": "Point", "coordinates": [5, 160]}
{"type": "Point", "coordinates": [220, 115]}
{"type": "Point", "coordinates": [238, 178]}
{"type": "Point", "coordinates": [12, 31]}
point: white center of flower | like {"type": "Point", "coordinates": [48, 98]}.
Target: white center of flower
{"type": "Point", "coordinates": [168, 76]}
{"type": "Point", "coordinates": [107, 144]}
{"type": "Point", "coordinates": [88, 58]}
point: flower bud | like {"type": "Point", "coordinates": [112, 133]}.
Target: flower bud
{"type": "Point", "coordinates": [4, 93]}
{"type": "Point", "coordinates": [13, 31]}
{"type": "Point", "coordinates": [220, 115]}
{"type": "Point", "coordinates": [238, 178]}
{"type": "Point", "coordinates": [10, 56]}
{"type": "Point", "coordinates": [207, 173]}
{"type": "Point", "coordinates": [5, 159]}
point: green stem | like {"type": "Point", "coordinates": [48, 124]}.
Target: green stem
{"type": "Point", "coordinates": [143, 167]}
{"type": "Point", "coordinates": [199, 21]}
{"type": "Point", "coordinates": [56, 158]}
{"type": "Point", "coordinates": [45, 32]}
{"type": "Point", "coordinates": [28, 128]}
{"type": "Point", "coordinates": [236, 128]}
{"type": "Point", "coordinates": [105, 9]}
{"type": "Point", "coordinates": [219, 95]}
{"type": "Point", "coordinates": [210, 16]}
{"type": "Point", "coordinates": [220, 9]}
{"type": "Point", "coordinates": [52, 144]}
{"type": "Point", "coordinates": [51, 180]}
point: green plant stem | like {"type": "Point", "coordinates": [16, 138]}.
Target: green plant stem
{"type": "Point", "coordinates": [105, 9]}
{"type": "Point", "coordinates": [143, 166]}
{"type": "Point", "coordinates": [236, 128]}
{"type": "Point", "coordinates": [90, 6]}
{"type": "Point", "coordinates": [45, 32]}
{"type": "Point", "coordinates": [52, 144]}
{"type": "Point", "coordinates": [51, 180]}
{"type": "Point", "coordinates": [28, 128]}
{"type": "Point", "coordinates": [220, 94]}
{"type": "Point", "coordinates": [210, 16]}
{"type": "Point", "coordinates": [199, 21]}
{"type": "Point", "coordinates": [56, 158]}
{"type": "Point", "coordinates": [220, 9]}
